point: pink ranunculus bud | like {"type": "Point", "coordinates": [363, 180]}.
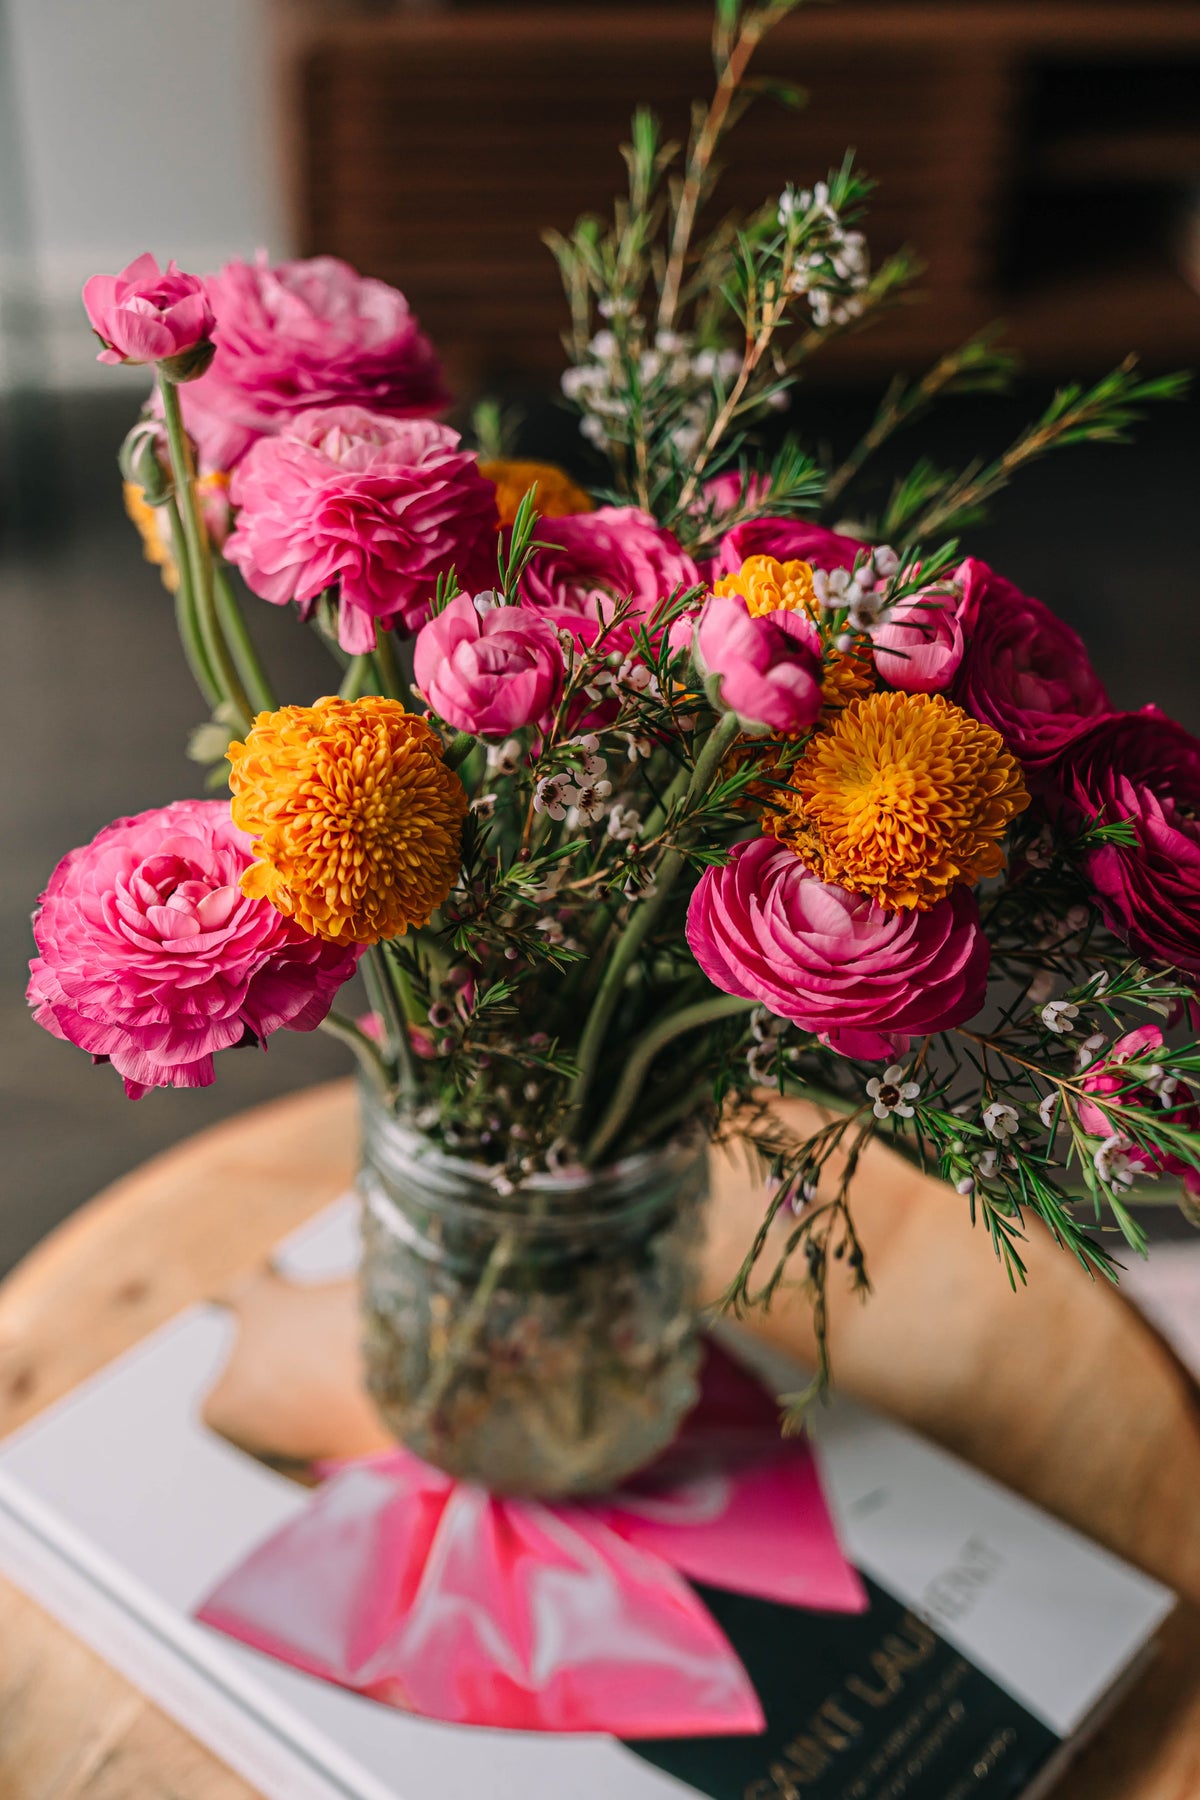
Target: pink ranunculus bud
{"type": "Point", "coordinates": [300, 335]}
{"type": "Point", "coordinates": [1025, 672]}
{"type": "Point", "coordinates": [920, 642]}
{"type": "Point", "coordinates": [681, 633]}
{"type": "Point", "coordinates": [151, 315]}
{"type": "Point", "coordinates": [766, 669]}
{"type": "Point", "coordinates": [153, 959]}
{"type": "Point", "coordinates": [1159, 1092]}
{"type": "Point", "coordinates": [490, 673]}
{"type": "Point", "coordinates": [765, 928]}
{"type": "Point", "coordinates": [721, 493]}
{"type": "Point", "coordinates": [378, 506]}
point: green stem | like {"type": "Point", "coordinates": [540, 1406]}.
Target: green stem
{"type": "Point", "coordinates": [382, 995]}
{"type": "Point", "coordinates": [656, 817]}
{"type": "Point", "coordinates": [458, 749]}
{"type": "Point", "coordinates": [249, 664]}
{"type": "Point", "coordinates": [336, 1025]}
{"type": "Point", "coordinates": [186, 621]}
{"type": "Point", "coordinates": [355, 681]}
{"type": "Point", "coordinates": [199, 559]}
{"type": "Point", "coordinates": [689, 1018]}
{"type": "Point", "coordinates": [462, 1337]}
{"type": "Point", "coordinates": [402, 987]}
{"type": "Point", "coordinates": [644, 918]}
{"type": "Point", "coordinates": [391, 681]}
{"type": "Point", "coordinates": [331, 644]}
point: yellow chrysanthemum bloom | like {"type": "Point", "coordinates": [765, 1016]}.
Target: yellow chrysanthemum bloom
{"type": "Point", "coordinates": [356, 819]}
{"type": "Point", "coordinates": [901, 798]}
{"type": "Point", "coordinates": [557, 495]}
{"type": "Point", "coordinates": [768, 585]}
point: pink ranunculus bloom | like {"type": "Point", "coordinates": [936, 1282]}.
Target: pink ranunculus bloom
{"type": "Point", "coordinates": [1143, 768]}
{"type": "Point", "coordinates": [489, 674]}
{"type": "Point", "coordinates": [1025, 672]}
{"type": "Point", "coordinates": [1157, 1092]}
{"type": "Point", "coordinates": [594, 561]}
{"type": "Point", "coordinates": [767, 669]}
{"type": "Point", "coordinates": [788, 540]}
{"type": "Point", "coordinates": [867, 1046]}
{"type": "Point", "coordinates": [379, 507]}
{"type": "Point", "coordinates": [153, 959]}
{"type": "Point", "coordinates": [151, 315]}
{"type": "Point", "coordinates": [765, 928]}
{"type": "Point", "coordinates": [305, 334]}
{"type": "Point", "coordinates": [920, 643]}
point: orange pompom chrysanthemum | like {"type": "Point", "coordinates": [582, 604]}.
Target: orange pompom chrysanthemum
{"type": "Point", "coordinates": [902, 798]}
{"type": "Point", "coordinates": [557, 495]}
{"type": "Point", "coordinates": [356, 819]}
{"type": "Point", "coordinates": [768, 585]}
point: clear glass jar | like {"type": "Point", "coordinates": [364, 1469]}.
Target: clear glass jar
{"type": "Point", "coordinates": [540, 1342]}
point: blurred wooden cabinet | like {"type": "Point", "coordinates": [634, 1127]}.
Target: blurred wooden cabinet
{"type": "Point", "coordinates": [1044, 160]}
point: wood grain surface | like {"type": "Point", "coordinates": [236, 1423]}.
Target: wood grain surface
{"type": "Point", "coordinates": [1060, 1390]}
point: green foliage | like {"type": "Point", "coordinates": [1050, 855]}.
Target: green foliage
{"type": "Point", "coordinates": [552, 1010]}
{"type": "Point", "coordinates": [1101, 414]}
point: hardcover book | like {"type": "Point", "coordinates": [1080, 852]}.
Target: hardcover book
{"type": "Point", "coordinates": [993, 1639]}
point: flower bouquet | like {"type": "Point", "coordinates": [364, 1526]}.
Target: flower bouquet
{"type": "Point", "coordinates": [634, 807]}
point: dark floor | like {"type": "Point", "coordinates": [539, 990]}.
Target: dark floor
{"type": "Point", "coordinates": [98, 705]}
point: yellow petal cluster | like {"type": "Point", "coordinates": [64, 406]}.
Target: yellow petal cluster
{"type": "Point", "coordinates": [355, 818]}
{"type": "Point", "coordinates": [768, 585]}
{"type": "Point", "coordinates": [152, 528]}
{"type": "Point", "coordinates": [901, 798]}
{"type": "Point", "coordinates": [557, 495]}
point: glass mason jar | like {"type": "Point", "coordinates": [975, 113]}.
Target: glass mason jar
{"type": "Point", "coordinates": [540, 1342]}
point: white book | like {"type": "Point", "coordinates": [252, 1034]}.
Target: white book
{"type": "Point", "coordinates": [120, 1512]}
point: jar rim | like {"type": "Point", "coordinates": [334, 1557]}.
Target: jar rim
{"type": "Point", "coordinates": [543, 1201]}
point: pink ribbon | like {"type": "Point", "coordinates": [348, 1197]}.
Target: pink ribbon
{"type": "Point", "coordinates": [432, 1595]}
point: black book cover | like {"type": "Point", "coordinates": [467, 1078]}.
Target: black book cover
{"type": "Point", "coordinates": [865, 1706]}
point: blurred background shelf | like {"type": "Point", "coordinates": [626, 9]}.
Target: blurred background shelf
{"type": "Point", "coordinates": [1043, 160]}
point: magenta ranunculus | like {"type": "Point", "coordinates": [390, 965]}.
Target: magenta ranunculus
{"type": "Point", "coordinates": [788, 540]}
{"type": "Point", "coordinates": [489, 674]}
{"type": "Point", "coordinates": [305, 334]}
{"type": "Point", "coordinates": [920, 643]}
{"type": "Point", "coordinates": [1025, 672]}
{"type": "Point", "coordinates": [766, 669]}
{"type": "Point", "coordinates": [833, 962]}
{"type": "Point", "coordinates": [1144, 768]}
{"type": "Point", "coordinates": [379, 507]}
{"type": "Point", "coordinates": [1158, 1091]}
{"type": "Point", "coordinates": [151, 315]}
{"type": "Point", "coordinates": [153, 959]}
{"type": "Point", "coordinates": [594, 561]}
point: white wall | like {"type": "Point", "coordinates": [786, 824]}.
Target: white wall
{"type": "Point", "coordinates": [141, 125]}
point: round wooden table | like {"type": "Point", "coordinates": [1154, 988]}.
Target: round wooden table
{"type": "Point", "coordinates": [1060, 1390]}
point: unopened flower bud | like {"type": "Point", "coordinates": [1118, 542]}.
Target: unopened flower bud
{"type": "Point", "coordinates": [142, 461]}
{"type": "Point", "coordinates": [191, 364]}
